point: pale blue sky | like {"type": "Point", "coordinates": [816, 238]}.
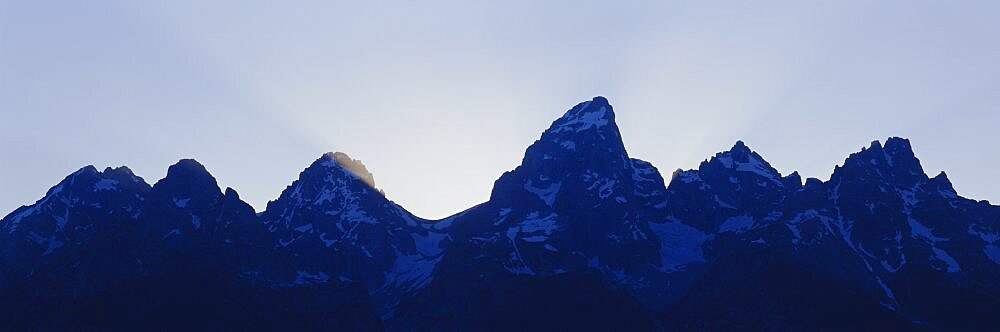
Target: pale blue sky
{"type": "Point", "coordinates": [439, 98]}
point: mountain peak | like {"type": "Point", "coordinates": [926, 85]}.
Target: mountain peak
{"type": "Point", "coordinates": [792, 181]}
{"type": "Point", "coordinates": [942, 185]}
{"type": "Point", "coordinates": [351, 166]}
{"type": "Point", "coordinates": [190, 170]}
{"type": "Point", "coordinates": [899, 149]}
{"type": "Point", "coordinates": [85, 170]}
{"type": "Point", "coordinates": [185, 167]}
{"type": "Point", "coordinates": [893, 161]}
{"type": "Point", "coordinates": [118, 170]}
{"type": "Point", "coordinates": [942, 176]}
{"type": "Point", "coordinates": [741, 158]}
{"type": "Point", "coordinates": [188, 178]}
{"type": "Point", "coordinates": [875, 145]}
{"type": "Point", "coordinates": [895, 150]}
{"type": "Point", "coordinates": [739, 146]}
{"type": "Point", "coordinates": [89, 178]}
{"type": "Point", "coordinates": [82, 176]}
{"type": "Point", "coordinates": [583, 143]}
{"type": "Point", "coordinates": [586, 134]}
{"type": "Point", "coordinates": [741, 152]}
{"type": "Point", "coordinates": [596, 113]}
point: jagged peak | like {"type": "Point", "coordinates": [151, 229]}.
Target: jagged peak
{"type": "Point", "coordinates": [898, 149]}
{"type": "Point", "coordinates": [645, 169]}
{"type": "Point", "coordinates": [348, 165]}
{"type": "Point", "coordinates": [118, 170]}
{"type": "Point", "coordinates": [740, 146]}
{"type": "Point", "coordinates": [741, 158]}
{"type": "Point", "coordinates": [874, 145]}
{"type": "Point", "coordinates": [895, 158]}
{"type": "Point", "coordinates": [585, 138]}
{"type": "Point", "coordinates": [943, 185]}
{"type": "Point", "coordinates": [895, 148]}
{"type": "Point", "coordinates": [85, 170]}
{"type": "Point", "coordinates": [186, 167]}
{"type": "Point", "coordinates": [685, 176]}
{"type": "Point", "coordinates": [188, 176]}
{"type": "Point", "coordinates": [85, 174]}
{"type": "Point", "coordinates": [593, 114]}
{"type": "Point", "coordinates": [333, 178]}
{"type": "Point", "coordinates": [88, 177]}
{"type": "Point", "coordinates": [738, 152]}
{"type": "Point", "coordinates": [897, 142]}
{"type": "Point", "coordinates": [793, 180]}
{"type": "Point", "coordinates": [942, 176]}
{"type": "Point", "coordinates": [91, 170]}
{"type": "Point", "coordinates": [742, 153]}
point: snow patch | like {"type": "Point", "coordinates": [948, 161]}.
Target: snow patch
{"type": "Point", "coordinates": [918, 229]}
{"type": "Point", "coordinates": [430, 244]}
{"type": "Point", "coordinates": [584, 121]}
{"type": "Point", "coordinates": [174, 231]}
{"type": "Point", "coordinates": [688, 177]}
{"type": "Point", "coordinates": [757, 166]}
{"type": "Point", "coordinates": [723, 204]}
{"type": "Point", "coordinates": [887, 290]}
{"type": "Point", "coordinates": [605, 187]}
{"type": "Point", "coordinates": [993, 253]}
{"type": "Point", "coordinates": [326, 242]}
{"type": "Point", "coordinates": [53, 245]}
{"type": "Point", "coordinates": [726, 161]}
{"type": "Point", "coordinates": [547, 194]}
{"type": "Point", "coordinates": [535, 239]}
{"type": "Point", "coordinates": [986, 237]}
{"type": "Point", "coordinates": [106, 184]}
{"type": "Point", "coordinates": [943, 256]}
{"type": "Point", "coordinates": [181, 203]}
{"type": "Point", "coordinates": [736, 224]}
{"type": "Point", "coordinates": [680, 244]}
{"type": "Point", "coordinates": [310, 278]}
{"type": "Point", "coordinates": [534, 224]}
{"type": "Point", "coordinates": [37, 239]}
{"type": "Point", "coordinates": [515, 255]}
{"type": "Point", "coordinates": [411, 272]}
{"type": "Point", "coordinates": [304, 228]}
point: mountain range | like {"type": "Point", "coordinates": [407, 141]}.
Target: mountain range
{"type": "Point", "coordinates": [580, 235]}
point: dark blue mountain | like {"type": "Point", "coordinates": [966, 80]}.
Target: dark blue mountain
{"type": "Point", "coordinates": [882, 232]}
{"type": "Point", "coordinates": [576, 203]}
{"type": "Point", "coordinates": [105, 251]}
{"type": "Point", "coordinates": [579, 236]}
{"type": "Point", "coordinates": [332, 224]}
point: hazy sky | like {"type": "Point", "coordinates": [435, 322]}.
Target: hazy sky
{"type": "Point", "coordinates": [439, 98]}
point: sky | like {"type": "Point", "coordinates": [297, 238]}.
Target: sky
{"type": "Point", "coordinates": [439, 98]}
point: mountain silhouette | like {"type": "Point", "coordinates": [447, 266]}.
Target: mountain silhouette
{"type": "Point", "coordinates": [580, 235]}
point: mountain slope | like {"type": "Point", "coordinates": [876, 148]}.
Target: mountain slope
{"type": "Point", "coordinates": [880, 229]}
{"type": "Point", "coordinates": [579, 236]}
{"type": "Point", "coordinates": [576, 203]}
{"type": "Point", "coordinates": [105, 251]}
{"type": "Point", "coordinates": [333, 224]}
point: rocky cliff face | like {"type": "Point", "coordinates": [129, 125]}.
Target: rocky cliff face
{"type": "Point", "coordinates": [579, 236]}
